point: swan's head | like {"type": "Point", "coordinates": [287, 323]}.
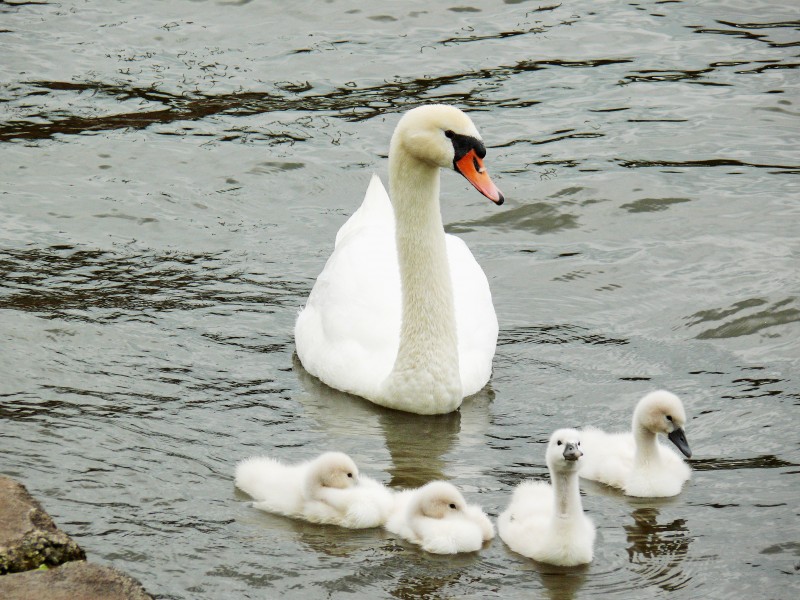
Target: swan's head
{"type": "Point", "coordinates": [662, 412]}
{"type": "Point", "coordinates": [437, 500]}
{"type": "Point", "coordinates": [333, 470]}
{"type": "Point", "coordinates": [445, 137]}
{"type": "Point", "coordinates": [564, 450]}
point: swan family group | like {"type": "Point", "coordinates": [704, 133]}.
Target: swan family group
{"type": "Point", "coordinates": [402, 316]}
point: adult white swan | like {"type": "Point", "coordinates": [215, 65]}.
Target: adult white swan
{"type": "Point", "coordinates": [402, 314]}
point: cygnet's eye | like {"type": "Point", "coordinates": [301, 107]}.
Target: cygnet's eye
{"type": "Point", "coordinates": [559, 442]}
{"type": "Point", "coordinates": [579, 443]}
{"type": "Point", "coordinates": [350, 475]}
{"type": "Point", "coordinates": [449, 134]}
{"type": "Point", "coordinates": [669, 417]}
{"type": "Point", "coordinates": [452, 505]}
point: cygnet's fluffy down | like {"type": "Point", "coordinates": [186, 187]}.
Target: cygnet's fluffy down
{"type": "Point", "coordinates": [328, 489]}
{"type": "Point", "coordinates": [546, 522]}
{"type": "Point", "coordinates": [635, 461]}
{"type": "Point", "coordinates": [436, 517]}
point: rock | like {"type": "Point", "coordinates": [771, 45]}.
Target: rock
{"type": "Point", "coordinates": [28, 536]}
{"type": "Point", "coordinates": [72, 581]}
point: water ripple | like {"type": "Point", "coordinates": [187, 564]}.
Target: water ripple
{"type": "Point", "coordinates": [95, 285]}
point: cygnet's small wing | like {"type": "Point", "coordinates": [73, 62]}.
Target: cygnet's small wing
{"type": "Point", "coordinates": [475, 514]}
{"type": "Point", "coordinates": [275, 487]}
{"type": "Point", "coordinates": [366, 505]}
{"type": "Point", "coordinates": [450, 535]}
{"type": "Point", "coordinates": [397, 521]}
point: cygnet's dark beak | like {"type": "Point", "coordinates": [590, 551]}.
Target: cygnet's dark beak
{"type": "Point", "coordinates": [678, 437]}
{"type": "Point", "coordinates": [572, 452]}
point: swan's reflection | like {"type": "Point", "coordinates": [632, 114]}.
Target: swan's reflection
{"type": "Point", "coordinates": [648, 539]}
{"type": "Point", "coordinates": [417, 444]}
{"type": "Point", "coordinates": [660, 549]}
{"type": "Point", "coordinates": [563, 583]}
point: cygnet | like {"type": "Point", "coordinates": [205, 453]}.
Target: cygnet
{"type": "Point", "coordinates": [328, 489]}
{"type": "Point", "coordinates": [546, 522]}
{"type": "Point", "coordinates": [635, 461]}
{"type": "Point", "coordinates": [437, 518]}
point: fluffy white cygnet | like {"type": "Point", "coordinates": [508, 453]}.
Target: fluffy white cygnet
{"type": "Point", "coordinates": [634, 461]}
{"type": "Point", "coordinates": [546, 522]}
{"type": "Point", "coordinates": [327, 489]}
{"type": "Point", "coordinates": [436, 517]}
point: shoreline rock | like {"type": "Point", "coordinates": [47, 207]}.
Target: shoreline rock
{"type": "Point", "coordinates": [38, 560]}
{"type": "Point", "coordinates": [28, 536]}
{"type": "Point", "coordinates": [75, 580]}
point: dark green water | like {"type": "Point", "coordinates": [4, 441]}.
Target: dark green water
{"type": "Point", "coordinates": [173, 174]}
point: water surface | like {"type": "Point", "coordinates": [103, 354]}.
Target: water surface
{"type": "Point", "coordinates": [173, 176]}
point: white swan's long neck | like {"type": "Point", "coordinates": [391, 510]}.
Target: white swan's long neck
{"type": "Point", "coordinates": [647, 452]}
{"type": "Point", "coordinates": [566, 493]}
{"type": "Point", "coordinates": [426, 371]}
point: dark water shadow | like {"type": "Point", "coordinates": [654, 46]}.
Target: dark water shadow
{"type": "Point", "coordinates": [349, 103]}
{"type": "Point", "coordinates": [536, 217]}
{"type": "Point", "coordinates": [734, 324]}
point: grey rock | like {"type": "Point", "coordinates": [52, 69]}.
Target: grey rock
{"type": "Point", "coordinates": [28, 536]}
{"type": "Point", "coordinates": [72, 581]}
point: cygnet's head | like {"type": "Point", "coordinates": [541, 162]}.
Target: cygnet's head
{"type": "Point", "coordinates": [662, 412]}
{"type": "Point", "coordinates": [438, 499]}
{"type": "Point", "coordinates": [564, 450]}
{"type": "Point", "coordinates": [334, 470]}
{"type": "Point", "coordinates": [444, 136]}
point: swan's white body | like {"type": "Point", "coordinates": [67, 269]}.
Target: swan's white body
{"type": "Point", "coordinates": [437, 517]}
{"type": "Point", "coordinates": [635, 461]}
{"type": "Point", "coordinates": [546, 522]}
{"type": "Point", "coordinates": [402, 314]}
{"type": "Point", "coordinates": [328, 489]}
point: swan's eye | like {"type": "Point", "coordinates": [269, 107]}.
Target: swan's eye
{"type": "Point", "coordinates": [449, 134]}
{"type": "Point", "coordinates": [453, 506]}
{"type": "Point", "coordinates": [559, 442]}
{"type": "Point", "coordinates": [669, 417]}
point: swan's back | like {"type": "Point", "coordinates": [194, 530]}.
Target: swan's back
{"type": "Point", "coordinates": [608, 457]}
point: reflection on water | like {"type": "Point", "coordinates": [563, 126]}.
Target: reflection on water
{"type": "Point", "coordinates": [418, 445]}
{"type": "Point", "coordinates": [658, 550]}
{"type": "Point", "coordinates": [563, 583]}
{"type": "Point", "coordinates": [783, 312]}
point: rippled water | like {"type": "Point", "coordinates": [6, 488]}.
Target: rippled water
{"type": "Point", "coordinates": [173, 176]}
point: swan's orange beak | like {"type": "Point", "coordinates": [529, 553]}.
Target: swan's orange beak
{"type": "Point", "coordinates": [471, 166]}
